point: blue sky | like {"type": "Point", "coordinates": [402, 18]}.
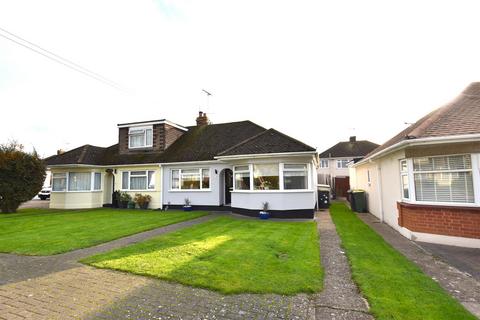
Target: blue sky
{"type": "Point", "coordinates": [319, 71]}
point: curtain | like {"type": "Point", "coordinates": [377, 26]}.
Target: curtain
{"type": "Point", "coordinates": [151, 179]}
{"type": "Point", "coordinates": [138, 183]}
{"type": "Point", "coordinates": [125, 180]}
{"type": "Point", "coordinates": [59, 181]}
{"type": "Point", "coordinates": [97, 183]}
{"type": "Point", "coordinates": [79, 181]}
{"type": "Point", "coordinates": [137, 140]}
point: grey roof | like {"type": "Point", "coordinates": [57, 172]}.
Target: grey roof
{"type": "Point", "coordinates": [268, 141]}
{"type": "Point", "coordinates": [349, 149]}
{"type": "Point", "coordinates": [199, 143]}
{"type": "Point", "coordinates": [459, 117]}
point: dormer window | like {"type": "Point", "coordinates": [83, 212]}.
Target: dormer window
{"type": "Point", "coordinates": [140, 137]}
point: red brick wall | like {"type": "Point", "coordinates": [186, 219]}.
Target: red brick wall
{"type": "Point", "coordinates": [442, 220]}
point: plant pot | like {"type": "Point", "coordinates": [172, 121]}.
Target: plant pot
{"type": "Point", "coordinates": [187, 208]}
{"type": "Point", "coordinates": [124, 204]}
{"type": "Point", "coordinates": [131, 205]}
{"type": "Point", "coordinates": [144, 205]}
{"type": "Point", "coordinates": [264, 215]}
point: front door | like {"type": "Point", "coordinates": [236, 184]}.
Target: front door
{"type": "Point", "coordinates": [228, 186]}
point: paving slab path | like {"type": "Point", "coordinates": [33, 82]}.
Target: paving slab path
{"type": "Point", "coordinates": [340, 298]}
{"type": "Point", "coordinates": [460, 285]}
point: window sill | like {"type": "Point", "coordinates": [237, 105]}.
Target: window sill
{"type": "Point", "coordinates": [407, 203]}
{"type": "Point", "coordinates": [190, 190]}
{"type": "Point", "coordinates": [138, 190]}
{"type": "Point", "coordinates": [140, 148]}
{"type": "Point", "coordinates": [80, 191]}
{"type": "Point", "coordinates": [273, 191]}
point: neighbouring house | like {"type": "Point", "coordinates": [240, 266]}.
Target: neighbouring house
{"type": "Point", "coordinates": [425, 181]}
{"type": "Point", "coordinates": [229, 166]}
{"type": "Point", "coordinates": [333, 163]}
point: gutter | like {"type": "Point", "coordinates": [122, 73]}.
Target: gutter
{"type": "Point", "coordinates": [420, 141]}
{"type": "Point", "coordinates": [265, 155]}
{"type": "Point", "coordinates": [217, 160]}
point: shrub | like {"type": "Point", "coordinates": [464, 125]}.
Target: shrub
{"type": "Point", "coordinates": [21, 176]}
{"type": "Point", "coordinates": [125, 197]}
{"type": "Point", "coordinates": [142, 200]}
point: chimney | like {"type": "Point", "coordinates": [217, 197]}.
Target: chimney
{"type": "Point", "coordinates": [353, 138]}
{"type": "Point", "coordinates": [202, 119]}
{"type": "Point", "coordinates": [60, 151]}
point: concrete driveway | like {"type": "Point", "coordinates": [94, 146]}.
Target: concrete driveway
{"type": "Point", "coordinates": [35, 203]}
{"type": "Point", "coordinates": [464, 259]}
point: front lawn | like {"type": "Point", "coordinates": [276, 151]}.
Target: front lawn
{"type": "Point", "coordinates": [393, 285]}
{"type": "Point", "coordinates": [46, 232]}
{"type": "Point", "coordinates": [228, 255]}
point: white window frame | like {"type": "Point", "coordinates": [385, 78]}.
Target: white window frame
{"type": "Point", "coordinates": [144, 128]}
{"type": "Point", "coordinates": [324, 163]}
{"type": "Point", "coordinates": [475, 158]}
{"type": "Point", "coordinates": [144, 175]}
{"type": "Point", "coordinates": [282, 173]}
{"type": "Point", "coordinates": [405, 174]}
{"type": "Point", "coordinates": [280, 176]}
{"type": "Point", "coordinates": [200, 171]}
{"type": "Point", "coordinates": [92, 181]}
{"type": "Point", "coordinates": [340, 161]}
{"type": "Point", "coordinates": [249, 171]}
{"type": "Point", "coordinates": [66, 180]}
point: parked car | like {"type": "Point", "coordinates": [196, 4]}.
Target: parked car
{"type": "Point", "coordinates": [44, 194]}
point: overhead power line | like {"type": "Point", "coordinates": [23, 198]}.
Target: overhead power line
{"type": "Point", "coordinates": [57, 58]}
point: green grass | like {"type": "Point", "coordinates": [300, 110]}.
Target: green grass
{"type": "Point", "coordinates": [393, 285]}
{"type": "Point", "coordinates": [46, 231]}
{"type": "Point", "coordinates": [228, 255]}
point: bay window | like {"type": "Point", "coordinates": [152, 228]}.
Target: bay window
{"type": "Point", "coordinates": [295, 176]}
{"type": "Point", "coordinates": [242, 178]}
{"type": "Point", "coordinates": [404, 180]}
{"type": "Point", "coordinates": [76, 181]}
{"type": "Point", "coordinates": [140, 137]}
{"type": "Point", "coordinates": [79, 181]}
{"type": "Point", "coordinates": [271, 176]}
{"type": "Point", "coordinates": [59, 181]}
{"type": "Point", "coordinates": [138, 180]}
{"type": "Point", "coordinates": [444, 179]}
{"type": "Point", "coordinates": [265, 177]}
{"type": "Point", "coordinates": [190, 179]}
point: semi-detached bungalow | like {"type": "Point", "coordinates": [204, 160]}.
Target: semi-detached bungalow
{"type": "Point", "coordinates": [233, 166]}
{"type": "Point", "coordinates": [425, 181]}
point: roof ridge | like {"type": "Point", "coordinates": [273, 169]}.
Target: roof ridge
{"type": "Point", "coordinates": [225, 123]}
{"type": "Point", "coordinates": [243, 142]}
{"type": "Point", "coordinates": [425, 122]}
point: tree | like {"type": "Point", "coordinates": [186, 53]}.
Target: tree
{"type": "Point", "coordinates": [21, 176]}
